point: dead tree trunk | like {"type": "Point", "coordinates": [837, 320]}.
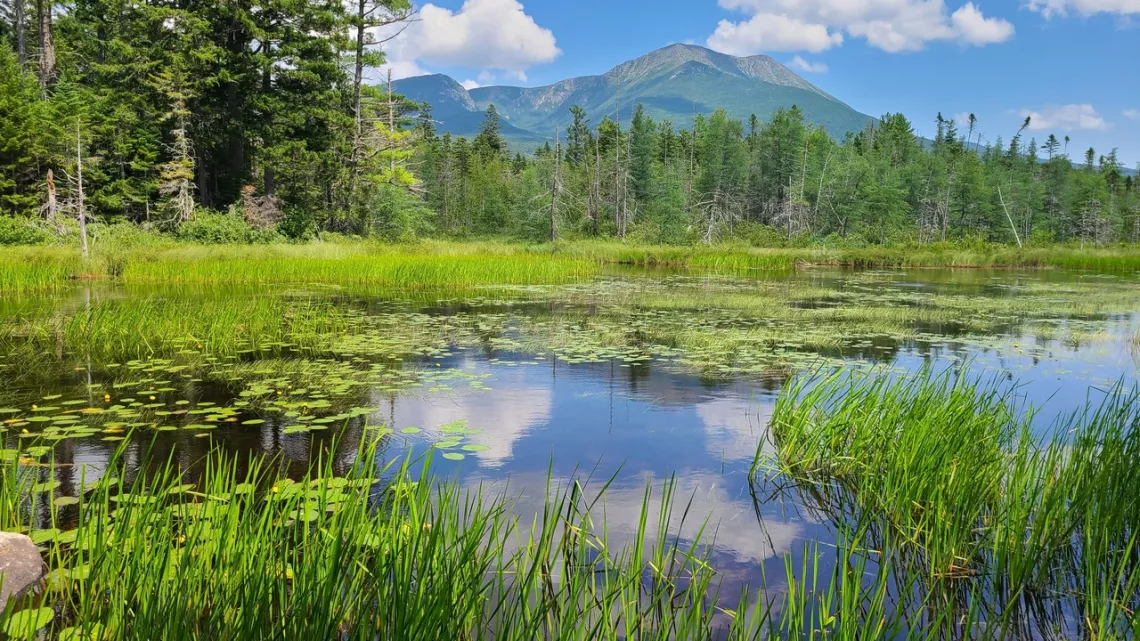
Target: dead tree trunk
{"type": "Point", "coordinates": [82, 214]}
{"type": "Point", "coordinates": [595, 204]}
{"type": "Point", "coordinates": [21, 33]}
{"type": "Point", "coordinates": [52, 208]}
{"type": "Point", "coordinates": [555, 186]}
{"type": "Point", "coordinates": [47, 46]}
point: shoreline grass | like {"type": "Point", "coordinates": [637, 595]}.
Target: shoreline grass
{"type": "Point", "coordinates": [374, 554]}
{"type": "Point", "coordinates": [947, 477]}
{"type": "Point", "coordinates": [469, 264]}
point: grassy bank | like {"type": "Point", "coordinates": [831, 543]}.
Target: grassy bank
{"type": "Point", "coordinates": [945, 479]}
{"type": "Point", "coordinates": [446, 264]}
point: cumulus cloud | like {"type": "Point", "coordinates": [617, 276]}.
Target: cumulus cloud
{"type": "Point", "coordinates": [976, 29]}
{"type": "Point", "coordinates": [771, 32]}
{"type": "Point", "coordinates": [810, 67]}
{"type": "Point", "coordinates": [470, 84]}
{"type": "Point", "coordinates": [482, 34]}
{"type": "Point", "coordinates": [890, 25]}
{"type": "Point", "coordinates": [1052, 8]}
{"type": "Point", "coordinates": [1065, 117]}
{"type": "Point", "coordinates": [1132, 114]}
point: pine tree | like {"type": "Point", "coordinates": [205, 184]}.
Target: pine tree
{"type": "Point", "coordinates": [643, 149]}
{"type": "Point", "coordinates": [489, 144]}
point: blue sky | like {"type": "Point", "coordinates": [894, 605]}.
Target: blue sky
{"type": "Point", "coordinates": [1074, 65]}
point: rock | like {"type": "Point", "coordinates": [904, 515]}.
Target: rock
{"type": "Point", "coordinates": [21, 567]}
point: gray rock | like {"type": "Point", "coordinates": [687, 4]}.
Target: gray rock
{"type": "Point", "coordinates": [21, 567]}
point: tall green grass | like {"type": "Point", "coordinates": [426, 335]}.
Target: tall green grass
{"type": "Point", "coordinates": [383, 270]}
{"type": "Point", "coordinates": [117, 329]}
{"type": "Point", "coordinates": [742, 257]}
{"type": "Point", "coordinates": [250, 554]}
{"type": "Point", "coordinates": [966, 501]}
{"type": "Point", "coordinates": [447, 264]}
{"type": "Point", "coordinates": [24, 269]}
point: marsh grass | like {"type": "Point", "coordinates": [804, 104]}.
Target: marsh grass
{"type": "Point", "coordinates": [742, 257]}
{"type": "Point", "coordinates": [26, 269]}
{"type": "Point", "coordinates": [452, 264]}
{"type": "Point", "coordinates": [398, 271]}
{"type": "Point", "coordinates": [115, 329]}
{"type": "Point", "coordinates": [247, 553]}
{"type": "Point", "coordinates": [968, 504]}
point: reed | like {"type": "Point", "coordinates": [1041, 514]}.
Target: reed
{"type": "Point", "coordinates": [24, 270]}
{"type": "Point", "coordinates": [965, 495]}
{"type": "Point", "coordinates": [249, 553]}
{"type": "Point", "coordinates": [119, 329]}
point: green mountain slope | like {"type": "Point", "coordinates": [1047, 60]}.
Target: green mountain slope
{"type": "Point", "coordinates": [676, 82]}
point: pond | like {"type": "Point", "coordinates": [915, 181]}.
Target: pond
{"type": "Point", "coordinates": [634, 377]}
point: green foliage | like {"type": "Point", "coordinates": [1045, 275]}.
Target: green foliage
{"type": "Point", "coordinates": [211, 228]}
{"type": "Point", "coordinates": [254, 103]}
{"type": "Point", "coordinates": [20, 231]}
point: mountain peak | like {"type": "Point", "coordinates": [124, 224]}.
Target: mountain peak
{"type": "Point", "coordinates": [672, 83]}
{"type": "Point", "coordinates": [669, 58]}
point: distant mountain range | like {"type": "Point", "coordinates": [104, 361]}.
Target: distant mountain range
{"type": "Point", "coordinates": [676, 82]}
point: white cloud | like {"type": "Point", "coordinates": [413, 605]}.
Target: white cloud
{"type": "Point", "coordinates": [890, 25]}
{"type": "Point", "coordinates": [1132, 114]}
{"type": "Point", "coordinates": [504, 417]}
{"type": "Point", "coordinates": [470, 84]}
{"type": "Point", "coordinates": [962, 119]}
{"type": "Point", "coordinates": [402, 69]}
{"type": "Point", "coordinates": [483, 34]}
{"type": "Point", "coordinates": [1052, 8]}
{"type": "Point", "coordinates": [810, 67]}
{"type": "Point", "coordinates": [976, 29]}
{"type": "Point", "coordinates": [771, 32]}
{"type": "Point", "coordinates": [1065, 117]}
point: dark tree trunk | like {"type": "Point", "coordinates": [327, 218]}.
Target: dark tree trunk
{"type": "Point", "coordinates": [21, 33]}
{"type": "Point", "coordinates": [47, 46]}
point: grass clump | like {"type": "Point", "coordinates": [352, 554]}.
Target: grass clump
{"type": "Point", "coordinates": [949, 482]}
{"type": "Point", "coordinates": [31, 269]}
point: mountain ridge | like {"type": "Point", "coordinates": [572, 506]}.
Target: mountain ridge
{"type": "Point", "coordinates": [675, 82]}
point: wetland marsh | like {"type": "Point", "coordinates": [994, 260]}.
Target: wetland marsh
{"type": "Point", "coordinates": [657, 427]}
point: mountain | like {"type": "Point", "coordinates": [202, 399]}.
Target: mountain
{"type": "Point", "coordinates": [675, 82]}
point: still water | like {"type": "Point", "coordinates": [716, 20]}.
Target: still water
{"type": "Point", "coordinates": [637, 376]}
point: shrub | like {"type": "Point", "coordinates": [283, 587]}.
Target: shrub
{"type": "Point", "coordinates": [19, 231]}
{"type": "Point", "coordinates": [211, 228]}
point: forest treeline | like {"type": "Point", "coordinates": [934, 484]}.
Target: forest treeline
{"type": "Point", "coordinates": [267, 118]}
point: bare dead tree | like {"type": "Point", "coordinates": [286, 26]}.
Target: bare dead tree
{"type": "Point", "coordinates": [51, 209]}
{"type": "Point", "coordinates": [47, 46]}
{"type": "Point", "coordinates": [1012, 226]}
{"type": "Point", "coordinates": [176, 177]}
{"type": "Point", "coordinates": [617, 166]}
{"type": "Point", "coordinates": [18, 22]}
{"type": "Point", "coordinates": [555, 186]}
{"type": "Point", "coordinates": [594, 205]}
{"type": "Point", "coordinates": [82, 213]}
